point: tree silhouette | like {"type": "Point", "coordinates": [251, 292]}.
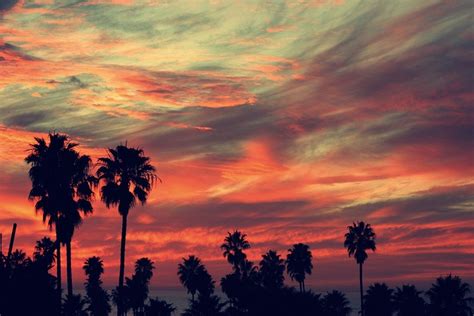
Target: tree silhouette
{"type": "Point", "coordinates": [205, 305]}
{"type": "Point", "coordinates": [271, 270]}
{"type": "Point", "coordinates": [190, 273]}
{"type": "Point", "coordinates": [44, 253]}
{"type": "Point", "coordinates": [407, 301]}
{"type": "Point", "coordinates": [358, 240]}
{"type": "Point", "coordinates": [298, 263]}
{"type": "Point", "coordinates": [61, 187]}
{"type": "Point", "coordinates": [449, 296]}
{"type": "Point", "coordinates": [128, 176]}
{"type": "Point", "coordinates": [74, 305]}
{"type": "Point", "coordinates": [158, 307]}
{"type": "Point", "coordinates": [233, 249]}
{"type": "Point", "coordinates": [378, 300]}
{"type": "Point", "coordinates": [45, 175]}
{"type": "Point", "coordinates": [138, 285]}
{"type": "Point", "coordinates": [335, 303]}
{"type": "Point", "coordinates": [26, 287]}
{"type": "Point", "coordinates": [97, 298]}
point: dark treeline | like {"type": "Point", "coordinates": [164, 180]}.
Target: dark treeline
{"type": "Point", "coordinates": [27, 287]}
{"type": "Point", "coordinates": [63, 188]}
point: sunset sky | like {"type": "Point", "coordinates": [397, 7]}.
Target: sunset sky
{"type": "Point", "coordinates": [286, 120]}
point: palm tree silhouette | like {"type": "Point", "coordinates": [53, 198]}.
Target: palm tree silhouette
{"type": "Point", "coordinates": [378, 300]}
{"type": "Point", "coordinates": [128, 176]}
{"type": "Point", "coordinates": [194, 276]}
{"type": "Point", "coordinates": [158, 307]}
{"type": "Point", "coordinates": [74, 305]}
{"type": "Point", "coordinates": [271, 270]}
{"type": "Point", "coordinates": [44, 253]}
{"type": "Point", "coordinates": [188, 273]}
{"type": "Point", "coordinates": [360, 238]}
{"type": "Point", "coordinates": [449, 296]}
{"type": "Point", "coordinates": [335, 303]}
{"type": "Point", "coordinates": [233, 247]}
{"type": "Point", "coordinates": [407, 301]}
{"type": "Point", "coordinates": [61, 187]}
{"type": "Point", "coordinates": [298, 263]}
{"type": "Point", "coordinates": [97, 298]}
{"type": "Point", "coordinates": [205, 305]}
{"type": "Point", "coordinates": [138, 285]}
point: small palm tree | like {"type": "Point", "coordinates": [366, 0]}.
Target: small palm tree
{"type": "Point", "coordinates": [335, 303]}
{"type": "Point", "coordinates": [74, 305]}
{"type": "Point", "coordinates": [298, 263]}
{"type": "Point", "coordinates": [44, 253]}
{"type": "Point", "coordinates": [271, 270]}
{"type": "Point", "coordinates": [378, 300]}
{"type": "Point", "coordinates": [194, 276]}
{"type": "Point", "coordinates": [407, 301]}
{"type": "Point", "coordinates": [358, 240]}
{"type": "Point", "coordinates": [128, 176]}
{"type": "Point", "coordinates": [233, 247]}
{"type": "Point", "coordinates": [138, 285]}
{"type": "Point", "coordinates": [97, 298]}
{"type": "Point", "coordinates": [158, 307]}
{"type": "Point", "coordinates": [449, 296]}
{"type": "Point", "coordinates": [188, 273]}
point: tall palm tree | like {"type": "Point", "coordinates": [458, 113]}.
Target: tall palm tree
{"type": "Point", "coordinates": [271, 270]}
{"type": "Point", "coordinates": [233, 247]}
{"type": "Point", "coordinates": [358, 240]}
{"type": "Point", "coordinates": [298, 263]}
{"type": "Point", "coordinates": [408, 301]}
{"type": "Point", "coordinates": [449, 296]}
{"type": "Point", "coordinates": [128, 176]}
{"type": "Point", "coordinates": [61, 186]}
{"type": "Point", "coordinates": [190, 272]}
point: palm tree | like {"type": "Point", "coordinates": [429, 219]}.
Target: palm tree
{"type": "Point", "coordinates": [298, 263]}
{"type": "Point", "coordinates": [335, 303]}
{"type": "Point", "coordinates": [194, 276]}
{"type": "Point", "coordinates": [138, 284]}
{"type": "Point", "coordinates": [61, 187]}
{"type": "Point", "coordinates": [208, 305]}
{"type": "Point", "coordinates": [407, 301]}
{"type": "Point", "coordinates": [128, 176]}
{"type": "Point", "coordinates": [233, 247]}
{"type": "Point", "coordinates": [378, 300]}
{"type": "Point", "coordinates": [449, 296]}
{"type": "Point", "coordinates": [44, 253]}
{"type": "Point", "coordinates": [74, 305]}
{"type": "Point", "coordinates": [97, 298]}
{"type": "Point", "coordinates": [360, 238]}
{"type": "Point", "coordinates": [158, 307]}
{"type": "Point", "coordinates": [271, 270]}
{"type": "Point", "coordinates": [188, 273]}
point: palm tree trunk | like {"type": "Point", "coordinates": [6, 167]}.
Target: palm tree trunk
{"type": "Point", "coordinates": [361, 291]}
{"type": "Point", "coordinates": [122, 263]}
{"type": "Point", "coordinates": [69, 268]}
{"type": "Point", "coordinates": [304, 290]}
{"type": "Point", "coordinates": [301, 287]}
{"type": "Point", "coordinates": [58, 266]}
